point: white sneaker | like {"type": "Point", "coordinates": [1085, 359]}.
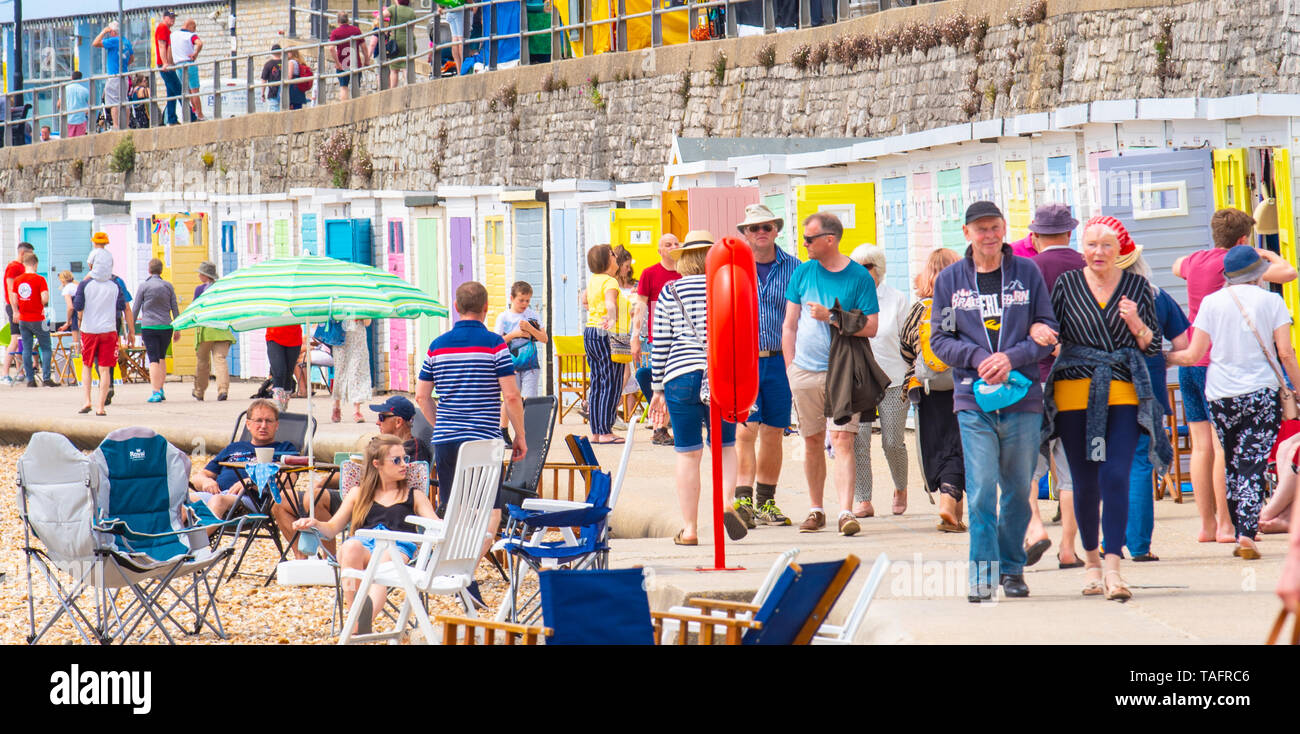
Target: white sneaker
{"type": "Point", "coordinates": [6, 380]}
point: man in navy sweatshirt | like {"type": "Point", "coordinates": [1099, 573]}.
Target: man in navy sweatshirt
{"type": "Point", "coordinates": [993, 314]}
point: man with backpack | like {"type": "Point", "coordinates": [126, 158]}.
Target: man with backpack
{"type": "Point", "coordinates": [271, 74]}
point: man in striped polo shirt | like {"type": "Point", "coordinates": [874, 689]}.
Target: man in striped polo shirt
{"type": "Point", "coordinates": [470, 368]}
{"type": "Point", "coordinates": [771, 415]}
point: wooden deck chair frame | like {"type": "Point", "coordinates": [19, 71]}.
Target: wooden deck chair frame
{"type": "Point", "coordinates": [572, 376]}
{"type": "Point", "coordinates": [1182, 446]}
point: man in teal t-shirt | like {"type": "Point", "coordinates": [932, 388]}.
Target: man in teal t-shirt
{"type": "Point", "coordinates": [76, 101]}
{"type": "Point", "coordinates": [827, 277]}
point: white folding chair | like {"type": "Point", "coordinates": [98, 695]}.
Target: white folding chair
{"type": "Point", "coordinates": [830, 634]}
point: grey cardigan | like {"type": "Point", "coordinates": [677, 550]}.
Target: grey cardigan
{"type": "Point", "coordinates": [155, 302]}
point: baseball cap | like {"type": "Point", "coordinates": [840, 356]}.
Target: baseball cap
{"type": "Point", "coordinates": [982, 209]}
{"type": "Point", "coordinates": [398, 406]}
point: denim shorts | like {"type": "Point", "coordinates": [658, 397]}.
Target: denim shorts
{"type": "Point", "coordinates": [1191, 383]}
{"type": "Point", "coordinates": [774, 398]}
{"type": "Point", "coordinates": [690, 417]}
{"type": "Point", "coordinates": [405, 548]}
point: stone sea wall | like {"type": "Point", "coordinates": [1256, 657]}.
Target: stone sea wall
{"type": "Point", "coordinates": [614, 116]}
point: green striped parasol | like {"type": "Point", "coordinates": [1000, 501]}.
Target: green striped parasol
{"type": "Point", "coordinates": [308, 289]}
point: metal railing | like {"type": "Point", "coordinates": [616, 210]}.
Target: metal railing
{"type": "Point", "coordinates": [592, 35]}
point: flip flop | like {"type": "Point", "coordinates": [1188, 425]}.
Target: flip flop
{"type": "Point", "coordinates": [946, 527]}
{"type": "Point", "coordinates": [1076, 564]}
{"type": "Point", "coordinates": [602, 443]}
{"type": "Point", "coordinates": [679, 540]}
{"type": "Point", "coordinates": [735, 526]}
{"type": "Point", "coordinates": [1246, 554]}
{"type": "Point", "coordinates": [85, 410]}
{"type": "Point", "coordinates": [1034, 553]}
{"type": "Point", "coordinates": [101, 412]}
{"type": "Point", "coordinates": [1146, 558]}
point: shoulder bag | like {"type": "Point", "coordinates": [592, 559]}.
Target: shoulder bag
{"type": "Point", "coordinates": [704, 380]}
{"type": "Point", "coordinates": [1290, 411]}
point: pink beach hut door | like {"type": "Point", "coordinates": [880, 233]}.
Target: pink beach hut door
{"type": "Point", "coordinates": [399, 373]}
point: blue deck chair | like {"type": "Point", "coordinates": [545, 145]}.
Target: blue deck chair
{"type": "Point", "coordinates": [153, 539]}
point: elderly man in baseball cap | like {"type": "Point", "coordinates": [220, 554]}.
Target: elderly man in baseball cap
{"type": "Point", "coordinates": [992, 317]}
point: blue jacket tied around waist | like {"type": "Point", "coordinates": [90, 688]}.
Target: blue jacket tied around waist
{"type": "Point", "coordinates": [1149, 410]}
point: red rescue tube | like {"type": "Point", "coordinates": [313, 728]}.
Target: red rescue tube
{"type": "Point", "coordinates": [733, 328]}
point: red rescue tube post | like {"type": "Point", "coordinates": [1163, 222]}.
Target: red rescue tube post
{"type": "Point", "coordinates": [732, 293]}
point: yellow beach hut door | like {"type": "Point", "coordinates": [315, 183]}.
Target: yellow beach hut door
{"type": "Point", "coordinates": [854, 204]}
{"type": "Point", "coordinates": [181, 242]}
{"type": "Point", "coordinates": [494, 263]}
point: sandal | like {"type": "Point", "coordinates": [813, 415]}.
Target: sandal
{"type": "Point", "coordinates": [1119, 590]}
{"type": "Point", "coordinates": [1146, 557]}
{"type": "Point", "coordinates": [735, 526]}
{"type": "Point", "coordinates": [337, 415]}
{"type": "Point", "coordinates": [1034, 553]}
{"type": "Point", "coordinates": [1094, 587]}
{"type": "Point", "coordinates": [679, 540]}
{"type": "Point", "coordinates": [85, 410]}
{"type": "Point", "coordinates": [1246, 553]}
{"type": "Point", "coordinates": [1077, 563]}
{"type": "Point", "coordinates": [946, 527]}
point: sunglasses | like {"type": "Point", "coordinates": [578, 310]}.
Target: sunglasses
{"type": "Point", "coordinates": [756, 228]}
{"type": "Point", "coordinates": [870, 266]}
{"type": "Point", "coordinates": [809, 239]}
{"type": "Point", "coordinates": [399, 460]}
{"type": "Point", "coordinates": [386, 416]}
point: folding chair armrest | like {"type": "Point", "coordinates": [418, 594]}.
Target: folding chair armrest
{"type": "Point", "coordinates": [545, 505]}
{"type": "Point", "coordinates": [114, 526]}
{"type": "Point", "coordinates": [451, 625]}
{"type": "Point", "coordinates": [733, 628]}
{"type": "Point", "coordinates": [428, 523]}
{"type": "Point", "coordinates": [731, 608]}
{"type": "Point", "coordinates": [396, 536]}
{"type": "Point", "coordinates": [566, 518]}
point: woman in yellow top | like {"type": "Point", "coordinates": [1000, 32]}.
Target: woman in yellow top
{"type": "Point", "coordinates": [601, 301]}
{"type": "Point", "coordinates": [1108, 321]}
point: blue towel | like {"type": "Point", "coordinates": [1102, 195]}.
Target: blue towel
{"type": "Point", "coordinates": [262, 475]}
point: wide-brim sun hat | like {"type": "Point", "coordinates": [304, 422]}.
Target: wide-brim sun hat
{"type": "Point", "coordinates": [1128, 249]}
{"type": "Point", "coordinates": [1243, 264]}
{"type": "Point", "coordinates": [99, 238]}
{"type": "Point", "coordinates": [208, 270]}
{"type": "Point", "coordinates": [759, 214]}
{"type": "Point", "coordinates": [696, 239]}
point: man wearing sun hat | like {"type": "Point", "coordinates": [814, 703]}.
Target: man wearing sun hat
{"type": "Point", "coordinates": [758, 472]}
{"type": "Point", "coordinates": [212, 346]}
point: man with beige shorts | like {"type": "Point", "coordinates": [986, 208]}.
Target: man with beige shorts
{"type": "Point", "coordinates": [828, 276]}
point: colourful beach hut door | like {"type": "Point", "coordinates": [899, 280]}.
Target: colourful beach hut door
{"type": "Point", "coordinates": [565, 273]}
{"type": "Point", "coordinates": [38, 234]}
{"type": "Point", "coordinates": [253, 343]}
{"type": "Point", "coordinates": [1230, 187]}
{"type": "Point", "coordinates": [229, 264]}
{"type": "Point", "coordinates": [494, 265]}
{"type": "Point", "coordinates": [789, 229]}
{"type": "Point", "coordinates": [893, 231]}
{"type": "Point", "coordinates": [1060, 188]}
{"type": "Point", "coordinates": [718, 210]}
{"type": "Point", "coordinates": [923, 214]}
{"type": "Point", "coordinates": [1286, 230]}
{"type": "Point", "coordinates": [530, 251]}
{"type": "Point", "coordinates": [674, 220]}
{"type": "Point", "coordinates": [638, 230]}
{"type": "Point", "coordinates": [948, 186]}
{"type": "Point", "coordinates": [462, 256]}
{"type": "Point", "coordinates": [399, 370]}
{"type": "Point", "coordinates": [349, 239]}
{"type": "Point", "coordinates": [181, 242]}
{"type": "Point", "coordinates": [854, 204]}
{"type": "Point", "coordinates": [427, 279]}
{"type": "Point", "coordinates": [68, 244]}
{"type": "Point", "coordinates": [1165, 200]}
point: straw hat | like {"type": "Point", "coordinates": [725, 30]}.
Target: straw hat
{"type": "Point", "coordinates": [696, 239]}
{"type": "Point", "coordinates": [1266, 216]}
{"type": "Point", "coordinates": [760, 214]}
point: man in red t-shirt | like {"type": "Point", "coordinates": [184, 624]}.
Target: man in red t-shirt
{"type": "Point", "coordinates": [12, 271]}
{"type": "Point", "coordinates": [162, 53]}
{"type": "Point", "coordinates": [341, 52]}
{"type": "Point", "coordinates": [29, 297]}
{"type": "Point", "coordinates": [653, 279]}
{"type": "Point", "coordinates": [1203, 271]}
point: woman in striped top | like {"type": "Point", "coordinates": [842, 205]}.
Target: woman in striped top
{"type": "Point", "coordinates": [1100, 390]}
{"type": "Point", "coordinates": [678, 361]}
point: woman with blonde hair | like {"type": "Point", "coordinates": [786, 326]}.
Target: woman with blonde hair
{"type": "Point", "coordinates": [72, 325]}
{"type": "Point", "coordinates": [678, 374]}
{"type": "Point", "coordinates": [938, 435]}
{"type": "Point", "coordinates": [382, 501]}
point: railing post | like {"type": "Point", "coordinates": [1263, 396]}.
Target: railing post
{"type": "Point", "coordinates": [656, 25]}
{"type": "Point", "coordinates": [805, 13]}
{"type": "Point", "coordinates": [293, 21]}
{"type": "Point", "coordinates": [587, 40]}
{"type": "Point", "coordinates": [319, 85]}
{"type": "Point", "coordinates": [410, 52]}
{"type": "Point", "coordinates": [284, 83]}
{"type": "Point", "coordinates": [216, 90]}
{"type": "Point", "coordinates": [523, 33]}
{"type": "Point", "coordinates": [621, 27]}
{"type": "Point", "coordinates": [155, 110]}
{"type": "Point", "coordinates": [559, 38]}
{"type": "Point", "coordinates": [729, 17]}
{"type": "Point", "coordinates": [491, 35]}
{"type": "Point", "coordinates": [382, 48]}
{"type": "Point", "coordinates": [769, 16]}
{"type": "Point", "coordinates": [841, 10]}
{"type": "Point", "coordinates": [251, 94]}
{"type": "Point", "coordinates": [692, 18]}
{"type": "Point", "coordinates": [354, 64]}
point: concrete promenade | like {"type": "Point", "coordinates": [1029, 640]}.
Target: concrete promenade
{"type": "Point", "coordinates": [1197, 593]}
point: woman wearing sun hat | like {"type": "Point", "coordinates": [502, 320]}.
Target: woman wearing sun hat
{"type": "Point", "coordinates": [1099, 392]}
{"type": "Point", "coordinates": [678, 364]}
{"type": "Point", "coordinates": [1250, 328]}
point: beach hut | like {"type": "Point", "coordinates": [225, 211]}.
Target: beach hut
{"type": "Point", "coordinates": [59, 229]}
{"type": "Point", "coordinates": [776, 182]}
{"type": "Point", "coordinates": [568, 262]}
{"type": "Point", "coordinates": [460, 205]}
{"type": "Point", "coordinates": [427, 248]}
